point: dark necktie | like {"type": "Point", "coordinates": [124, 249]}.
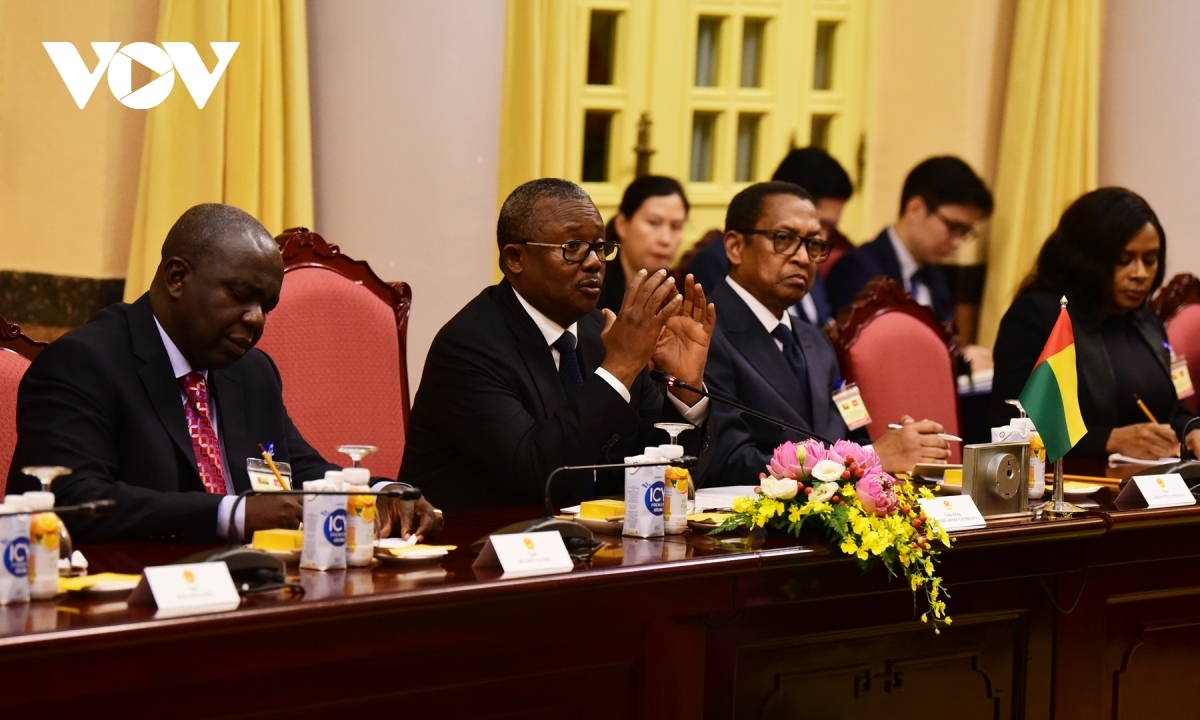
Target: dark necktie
{"type": "Point", "coordinates": [569, 373]}
{"type": "Point", "coordinates": [915, 282]}
{"type": "Point", "coordinates": [795, 358]}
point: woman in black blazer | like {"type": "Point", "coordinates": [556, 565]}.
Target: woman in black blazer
{"type": "Point", "coordinates": [649, 225]}
{"type": "Point", "coordinates": [1107, 256]}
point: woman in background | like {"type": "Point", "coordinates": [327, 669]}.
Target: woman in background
{"type": "Point", "coordinates": [1107, 256]}
{"type": "Point", "coordinates": [649, 225]}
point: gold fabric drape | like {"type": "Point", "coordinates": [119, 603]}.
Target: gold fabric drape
{"type": "Point", "coordinates": [1049, 141]}
{"type": "Point", "coordinates": [533, 107]}
{"type": "Point", "coordinates": [251, 144]}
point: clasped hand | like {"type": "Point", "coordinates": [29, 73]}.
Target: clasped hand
{"type": "Point", "coordinates": [657, 322]}
{"type": "Point", "coordinates": [269, 511]}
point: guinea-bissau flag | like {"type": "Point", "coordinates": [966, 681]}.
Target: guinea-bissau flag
{"type": "Point", "coordinates": [1051, 395]}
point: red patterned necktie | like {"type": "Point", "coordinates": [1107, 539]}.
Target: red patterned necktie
{"type": "Point", "coordinates": [204, 438]}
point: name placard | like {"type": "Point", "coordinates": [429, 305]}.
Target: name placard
{"type": "Point", "coordinates": [1155, 491]}
{"type": "Point", "coordinates": [191, 589]}
{"type": "Point", "coordinates": [526, 554]}
{"type": "Point", "coordinates": [953, 512]}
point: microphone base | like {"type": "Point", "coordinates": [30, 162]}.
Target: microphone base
{"type": "Point", "coordinates": [250, 569]}
{"type": "Point", "coordinates": [580, 542]}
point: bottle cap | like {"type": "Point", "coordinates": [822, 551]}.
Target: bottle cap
{"type": "Point", "coordinates": [670, 452]}
{"type": "Point", "coordinates": [652, 453]}
{"type": "Point", "coordinates": [1021, 423]}
{"type": "Point", "coordinates": [358, 477]}
{"type": "Point", "coordinates": [333, 480]}
{"type": "Point", "coordinates": [14, 504]}
{"type": "Point", "coordinates": [39, 500]}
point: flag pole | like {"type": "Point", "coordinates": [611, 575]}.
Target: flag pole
{"type": "Point", "coordinates": [1058, 507]}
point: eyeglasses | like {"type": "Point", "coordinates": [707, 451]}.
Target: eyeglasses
{"type": "Point", "coordinates": [576, 251]}
{"type": "Point", "coordinates": [787, 242]}
{"type": "Point", "coordinates": [956, 228]}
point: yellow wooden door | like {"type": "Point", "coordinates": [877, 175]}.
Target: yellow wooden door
{"type": "Point", "coordinates": [729, 86]}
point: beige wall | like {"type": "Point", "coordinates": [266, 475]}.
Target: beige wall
{"type": "Point", "coordinates": [1150, 115]}
{"type": "Point", "coordinates": [68, 177]}
{"type": "Point", "coordinates": [937, 88]}
{"type": "Point", "coordinates": [406, 116]}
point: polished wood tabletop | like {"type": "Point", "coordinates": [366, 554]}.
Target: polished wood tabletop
{"type": "Point", "coordinates": [1072, 618]}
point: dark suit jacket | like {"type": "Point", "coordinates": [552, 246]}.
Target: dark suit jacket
{"type": "Point", "coordinates": [1022, 336]}
{"type": "Point", "coordinates": [711, 265]}
{"type": "Point", "coordinates": [878, 257]}
{"type": "Point", "coordinates": [103, 401]}
{"type": "Point", "coordinates": [490, 419]}
{"type": "Point", "coordinates": [744, 363]}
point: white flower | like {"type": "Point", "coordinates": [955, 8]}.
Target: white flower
{"type": "Point", "coordinates": [779, 489]}
{"type": "Point", "coordinates": [823, 491]}
{"type": "Point", "coordinates": [828, 471]}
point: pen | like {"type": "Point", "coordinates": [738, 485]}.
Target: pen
{"type": "Point", "coordinates": [1145, 409]}
{"type": "Point", "coordinates": [271, 464]}
{"type": "Point", "coordinates": [945, 436]}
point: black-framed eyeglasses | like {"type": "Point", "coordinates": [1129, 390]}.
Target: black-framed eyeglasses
{"type": "Point", "coordinates": [787, 242]}
{"type": "Point", "coordinates": [956, 228]}
{"type": "Point", "coordinates": [576, 251]}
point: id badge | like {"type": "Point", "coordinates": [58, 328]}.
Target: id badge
{"type": "Point", "coordinates": [1181, 378]}
{"type": "Point", "coordinates": [850, 404]}
{"type": "Point", "coordinates": [262, 479]}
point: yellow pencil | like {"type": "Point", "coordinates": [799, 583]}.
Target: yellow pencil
{"type": "Point", "coordinates": [271, 464]}
{"type": "Point", "coordinates": [1146, 410]}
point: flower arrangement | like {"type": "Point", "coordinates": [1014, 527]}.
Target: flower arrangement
{"type": "Point", "coordinates": [866, 512]}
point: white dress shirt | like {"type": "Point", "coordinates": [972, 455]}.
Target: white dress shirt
{"type": "Point", "coordinates": [181, 367]}
{"type": "Point", "coordinates": [552, 331]}
{"type": "Point", "coordinates": [765, 316]}
{"type": "Point", "coordinates": [909, 267]}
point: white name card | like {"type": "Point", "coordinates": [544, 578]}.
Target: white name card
{"type": "Point", "coordinates": [953, 512]}
{"type": "Point", "coordinates": [1155, 491]}
{"type": "Point", "coordinates": [191, 589]}
{"type": "Point", "coordinates": [526, 554]}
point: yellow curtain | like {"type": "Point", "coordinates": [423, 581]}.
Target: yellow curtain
{"type": "Point", "coordinates": [1048, 145]}
{"type": "Point", "coordinates": [251, 144]}
{"type": "Point", "coordinates": [533, 107]}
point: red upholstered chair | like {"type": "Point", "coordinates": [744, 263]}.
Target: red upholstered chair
{"type": "Point", "coordinates": [339, 337]}
{"type": "Point", "coordinates": [16, 352]}
{"type": "Point", "coordinates": [900, 356]}
{"type": "Point", "coordinates": [1178, 306]}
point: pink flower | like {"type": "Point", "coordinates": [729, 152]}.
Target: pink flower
{"type": "Point", "coordinates": [788, 461]}
{"type": "Point", "coordinates": [864, 458]}
{"type": "Point", "coordinates": [876, 492]}
{"type": "Point", "coordinates": [814, 452]}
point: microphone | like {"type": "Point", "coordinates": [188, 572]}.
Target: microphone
{"type": "Point", "coordinates": [93, 508]}
{"type": "Point", "coordinates": [578, 539]}
{"type": "Point", "coordinates": [673, 382]}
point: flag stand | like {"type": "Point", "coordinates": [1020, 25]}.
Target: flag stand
{"type": "Point", "coordinates": [1058, 507]}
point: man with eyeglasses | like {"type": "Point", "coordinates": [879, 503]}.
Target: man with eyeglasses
{"type": "Point", "coordinates": [942, 202]}
{"type": "Point", "coordinates": [529, 376]}
{"type": "Point", "coordinates": [769, 361]}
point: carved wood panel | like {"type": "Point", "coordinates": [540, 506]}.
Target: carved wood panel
{"type": "Point", "coordinates": [968, 672]}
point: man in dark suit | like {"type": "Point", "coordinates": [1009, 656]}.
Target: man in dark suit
{"type": "Point", "coordinates": [770, 363]}
{"type": "Point", "coordinates": [826, 180]}
{"type": "Point", "coordinates": [529, 376]}
{"type": "Point", "coordinates": [157, 405]}
{"type": "Point", "coordinates": [942, 202]}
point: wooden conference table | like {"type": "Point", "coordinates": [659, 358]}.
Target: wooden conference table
{"type": "Point", "coordinates": [1093, 617]}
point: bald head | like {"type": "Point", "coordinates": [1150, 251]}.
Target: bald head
{"type": "Point", "coordinates": [219, 276]}
{"type": "Point", "coordinates": [213, 230]}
